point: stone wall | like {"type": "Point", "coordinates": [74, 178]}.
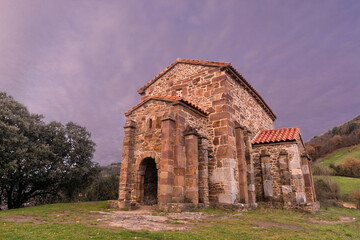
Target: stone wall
{"type": "Point", "coordinates": [159, 132]}
{"type": "Point", "coordinates": [279, 173]}
{"type": "Point", "coordinates": [228, 103]}
{"type": "Point", "coordinates": [209, 159]}
{"type": "Point", "coordinates": [246, 110]}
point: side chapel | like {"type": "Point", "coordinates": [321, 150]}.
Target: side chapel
{"type": "Point", "coordinates": [202, 136]}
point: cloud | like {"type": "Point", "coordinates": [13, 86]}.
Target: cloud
{"type": "Point", "coordinates": [83, 61]}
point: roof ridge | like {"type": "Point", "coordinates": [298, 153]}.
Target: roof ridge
{"type": "Point", "coordinates": [167, 97]}
{"type": "Point", "coordinates": [231, 71]}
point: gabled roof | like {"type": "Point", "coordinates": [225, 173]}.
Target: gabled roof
{"type": "Point", "coordinates": [276, 135]}
{"type": "Point", "coordinates": [167, 98]}
{"type": "Point", "coordinates": [223, 66]}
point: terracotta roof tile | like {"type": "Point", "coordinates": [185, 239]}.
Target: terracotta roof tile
{"type": "Point", "coordinates": [168, 98]}
{"type": "Point", "coordinates": [215, 64]}
{"type": "Point", "coordinates": [276, 135]}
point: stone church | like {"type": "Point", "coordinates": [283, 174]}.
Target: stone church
{"type": "Point", "coordinates": [202, 136]}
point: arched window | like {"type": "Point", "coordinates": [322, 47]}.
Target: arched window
{"type": "Point", "coordinates": [150, 123]}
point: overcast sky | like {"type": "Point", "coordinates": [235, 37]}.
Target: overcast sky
{"type": "Point", "coordinates": [83, 61]}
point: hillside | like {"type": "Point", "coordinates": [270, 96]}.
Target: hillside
{"type": "Point", "coordinates": [112, 169]}
{"type": "Point", "coordinates": [338, 156]}
{"type": "Point", "coordinates": [91, 220]}
{"type": "Point", "coordinates": [347, 185]}
{"type": "Point", "coordinates": [345, 135]}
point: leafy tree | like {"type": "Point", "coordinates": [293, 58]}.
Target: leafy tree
{"type": "Point", "coordinates": [38, 158]}
{"type": "Point", "coordinates": [105, 187]}
{"type": "Point", "coordinates": [345, 135]}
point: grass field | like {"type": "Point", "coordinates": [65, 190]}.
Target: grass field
{"type": "Point", "coordinates": [347, 185]}
{"type": "Point", "coordinates": [76, 221]}
{"type": "Point", "coordinates": [340, 155]}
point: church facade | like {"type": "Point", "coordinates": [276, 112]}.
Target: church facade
{"type": "Point", "coordinates": [202, 136]}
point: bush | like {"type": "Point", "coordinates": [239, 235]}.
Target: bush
{"type": "Point", "coordinates": [327, 191]}
{"type": "Point", "coordinates": [105, 187]}
{"type": "Point", "coordinates": [350, 168]}
{"type": "Point", "coordinates": [321, 170]}
{"type": "Point", "coordinates": [356, 196]}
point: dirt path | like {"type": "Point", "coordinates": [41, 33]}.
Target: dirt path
{"type": "Point", "coordinates": [343, 219]}
{"type": "Point", "coordinates": [265, 224]}
{"type": "Point", "coordinates": [349, 205]}
{"type": "Point", "coordinates": [143, 219]}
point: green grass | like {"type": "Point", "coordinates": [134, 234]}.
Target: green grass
{"type": "Point", "coordinates": [340, 155]}
{"type": "Point", "coordinates": [347, 184]}
{"type": "Point", "coordinates": [242, 226]}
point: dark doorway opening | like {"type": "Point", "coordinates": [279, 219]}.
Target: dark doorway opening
{"type": "Point", "coordinates": [150, 182]}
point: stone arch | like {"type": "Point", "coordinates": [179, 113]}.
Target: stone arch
{"type": "Point", "coordinates": [147, 155]}
{"type": "Point", "coordinates": [148, 182]}
{"type": "Point", "coordinates": [141, 178]}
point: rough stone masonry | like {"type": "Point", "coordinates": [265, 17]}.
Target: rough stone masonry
{"type": "Point", "coordinates": [202, 136]}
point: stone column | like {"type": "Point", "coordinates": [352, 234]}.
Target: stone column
{"type": "Point", "coordinates": [166, 171]}
{"type": "Point", "coordinates": [297, 178]}
{"type": "Point", "coordinates": [179, 161]}
{"type": "Point", "coordinates": [127, 159]}
{"type": "Point", "coordinates": [286, 187]}
{"type": "Point", "coordinates": [241, 164]}
{"type": "Point", "coordinates": [266, 176]}
{"type": "Point", "coordinates": [191, 170]}
{"type": "Point", "coordinates": [307, 179]}
{"type": "Point", "coordinates": [312, 180]}
{"type": "Point", "coordinates": [250, 168]}
{"type": "Point", "coordinates": [203, 171]}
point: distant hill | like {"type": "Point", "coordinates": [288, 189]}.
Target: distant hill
{"type": "Point", "coordinates": [338, 156]}
{"type": "Point", "coordinates": [345, 135]}
{"type": "Point", "coordinates": [112, 169]}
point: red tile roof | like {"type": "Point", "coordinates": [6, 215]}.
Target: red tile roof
{"type": "Point", "coordinates": [167, 98]}
{"type": "Point", "coordinates": [224, 65]}
{"type": "Point", "coordinates": [276, 135]}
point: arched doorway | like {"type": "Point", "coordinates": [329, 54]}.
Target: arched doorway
{"type": "Point", "coordinates": [149, 182]}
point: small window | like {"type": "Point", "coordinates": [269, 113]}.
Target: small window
{"type": "Point", "coordinates": [179, 93]}
{"type": "Point", "coordinates": [150, 123]}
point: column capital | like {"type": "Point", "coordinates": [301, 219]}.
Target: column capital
{"type": "Point", "coordinates": [168, 118]}
{"type": "Point", "coordinates": [237, 125]}
{"type": "Point", "coordinates": [130, 124]}
{"type": "Point", "coordinates": [190, 131]}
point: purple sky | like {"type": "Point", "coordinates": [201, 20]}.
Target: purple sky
{"type": "Point", "coordinates": [83, 61]}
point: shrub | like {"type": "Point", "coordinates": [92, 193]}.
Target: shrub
{"type": "Point", "coordinates": [350, 168]}
{"type": "Point", "coordinates": [356, 196]}
{"type": "Point", "coordinates": [105, 187]}
{"type": "Point", "coordinates": [327, 191]}
{"type": "Point", "coordinates": [321, 170]}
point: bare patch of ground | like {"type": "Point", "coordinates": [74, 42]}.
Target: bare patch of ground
{"type": "Point", "coordinates": [146, 218]}
{"type": "Point", "coordinates": [349, 205]}
{"type": "Point", "coordinates": [24, 219]}
{"type": "Point", "coordinates": [265, 224]}
{"type": "Point", "coordinates": [343, 219]}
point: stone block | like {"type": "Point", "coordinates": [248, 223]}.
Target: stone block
{"type": "Point", "coordinates": [251, 187]}
{"type": "Point", "coordinates": [115, 204]}
{"type": "Point", "coordinates": [300, 197]}
{"type": "Point", "coordinates": [286, 189]}
{"type": "Point", "coordinates": [268, 188]}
